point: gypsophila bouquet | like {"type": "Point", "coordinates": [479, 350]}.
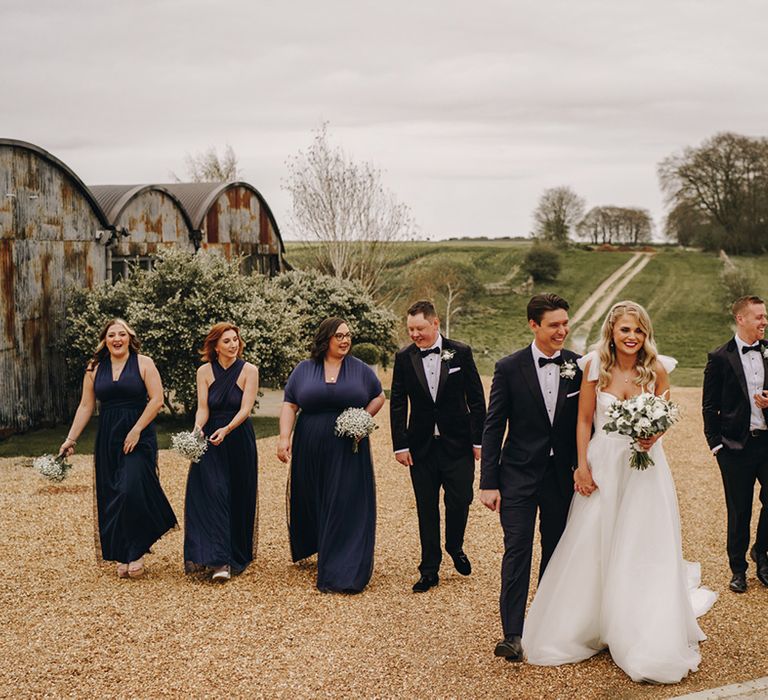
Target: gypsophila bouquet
{"type": "Point", "coordinates": [355, 423]}
{"type": "Point", "coordinates": [190, 445]}
{"type": "Point", "coordinates": [641, 416]}
{"type": "Point", "coordinates": [52, 467]}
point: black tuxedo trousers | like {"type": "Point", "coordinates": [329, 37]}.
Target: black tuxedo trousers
{"type": "Point", "coordinates": [441, 466]}
{"type": "Point", "coordinates": [739, 471]}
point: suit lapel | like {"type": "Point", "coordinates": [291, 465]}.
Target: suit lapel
{"type": "Point", "coordinates": [532, 380]}
{"type": "Point", "coordinates": [735, 360]}
{"type": "Point", "coordinates": [443, 369]}
{"type": "Point", "coordinates": [418, 368]}
{"type": "Point", "coordinates": [562, 391]}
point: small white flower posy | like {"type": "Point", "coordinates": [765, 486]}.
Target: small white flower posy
{"type": "Point", "coordinates": [568, 369]}
{"type": "Point", "coordinates": [447, 355]}
{"type": "Point", "coordinates": [764, 352]}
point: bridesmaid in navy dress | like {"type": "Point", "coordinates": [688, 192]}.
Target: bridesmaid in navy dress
{"type": "Point", "coordinates": [331, 493]}
{"type": "Point", "coordinates": [133, 512]}
{"type": "Point", "coordinates": [220, 510]}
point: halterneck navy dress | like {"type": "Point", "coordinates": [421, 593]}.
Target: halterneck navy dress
{"type": "Point", "coordinates": [331, 492]}
{"type": "Point", "coordinates": [220, 510]}
{"type": "Point", "coordinates": [132, 510]}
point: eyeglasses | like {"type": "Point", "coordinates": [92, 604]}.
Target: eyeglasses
{"type": "Point", "coordinates": [342, 336]}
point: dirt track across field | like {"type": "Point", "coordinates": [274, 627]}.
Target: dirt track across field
{"type": "Point", "coordinates": [70, 629]}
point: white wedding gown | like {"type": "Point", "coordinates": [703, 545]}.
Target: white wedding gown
{"type": "Point", "coordinates": [617, 578]}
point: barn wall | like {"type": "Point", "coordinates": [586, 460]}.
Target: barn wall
{"type": "Point", "coordinates": [154, 220]}
{"type": "Point", "coordinates": [47, 243]}
{"type": "Point", "coordinates": [237, 224]}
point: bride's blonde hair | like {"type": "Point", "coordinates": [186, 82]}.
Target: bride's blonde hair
{"type": "Point", "coordinates": [606, 349]}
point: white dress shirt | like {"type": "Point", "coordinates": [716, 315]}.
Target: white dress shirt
{"type": "Point", "coordinates": [754, 373]}
{"type": "Point", "coordinates": [549, 380]}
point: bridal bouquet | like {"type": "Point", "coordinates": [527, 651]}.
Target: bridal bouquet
{"type": "Point", "coordinates": [641, 416]}
{"type": "Point", "coordinates": [355, 423]}
{"type": "Point", "coordinates": [190, 445]}
{"type": "Point", "coordinates": [52, 467]}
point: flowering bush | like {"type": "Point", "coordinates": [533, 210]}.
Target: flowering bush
{"type": "Point", "coordinates": [172, 307]}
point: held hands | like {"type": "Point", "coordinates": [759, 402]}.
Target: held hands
{"type": "Point", "coordinates": [583, 482]}
{"type": "Point", "coordinates": [491, 499]}
{"type": "Point", "coordinates": [218, 437]}
{"type": "Point", "coordinates": [284, 449]}
{"type": "Point", "coordinates": [131, 440]}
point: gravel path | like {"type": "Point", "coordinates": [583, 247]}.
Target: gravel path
{"type": "Point", "coordinates": [71, 629]}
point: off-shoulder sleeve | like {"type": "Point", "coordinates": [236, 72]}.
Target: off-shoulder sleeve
{"type": "Point", "coordinates": [667, 362]}
{"type": "Point", "coordinates": [594, 365]}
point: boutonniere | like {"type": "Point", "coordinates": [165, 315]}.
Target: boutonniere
{"type": "Point", "coordinates": [568, 369]}
{"type": "Point", "coordinates": [764, 352]}
{"type": "Point", "coordinates": [447, 355]}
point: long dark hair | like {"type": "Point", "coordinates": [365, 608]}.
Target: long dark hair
{"type": "Point", "coordinates": [322, 339]}
{"type": "Point", "coordinates": [101, 351]}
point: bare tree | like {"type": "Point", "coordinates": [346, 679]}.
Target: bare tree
{"type": "Point", "coordinates": [207, 166]}
{"type": "Point", "coordinates": [343, 206]}
{"type": "Point", "coordinates": [558, 211]}
{"type": "Point", "coordinates": [610, 224]}
{"type": "Point", "coordinates": [726, 178]}
{"type": "Point", "coordinates": [451, 283]}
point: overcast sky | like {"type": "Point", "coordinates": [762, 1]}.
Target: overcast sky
{"type": "Point", "coordinates": [471, 109]}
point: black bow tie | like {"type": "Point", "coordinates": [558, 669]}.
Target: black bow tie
{"type": "Point", "coordinates": [427, 353]}
{"type": "Point", "coordinates": [546, 360]}
{"type": "Point", "coordinates": [757, 347]}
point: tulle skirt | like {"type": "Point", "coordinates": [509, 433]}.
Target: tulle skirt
{"type": "Point", "coordinates": [618, 579]}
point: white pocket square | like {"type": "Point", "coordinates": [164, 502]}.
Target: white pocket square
{"type": "Point", "coordinates": [454, 369]}
{"type": "Point", "coordinates": [568, 396]}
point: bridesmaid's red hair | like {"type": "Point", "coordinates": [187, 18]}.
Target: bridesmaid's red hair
{"type": "Point", "coordinates": [208, 351]}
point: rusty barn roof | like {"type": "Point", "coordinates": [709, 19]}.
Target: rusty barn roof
{"type": "Point", "coordinates": [198, 197]}
{"type": "Point", "coordinates": [113, 199]}
{"type": "Point", "coordinates": [42, 153]}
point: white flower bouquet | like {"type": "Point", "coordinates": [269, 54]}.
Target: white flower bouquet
{"type": "Point", "coordinates": [641, 416]}
{"type": "Point", "coordinates": [355, 423]}
{"type": "Point", "coordinates": [52, 467]}
{"type": "Point", "coordinates": [189, 444]}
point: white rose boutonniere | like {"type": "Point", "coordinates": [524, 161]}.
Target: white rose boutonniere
{"type": "Point", "coordinates": [447, 355]}
{"type": "Point", "coordinates": [568, 369]}
{"type": "Point", "coordinates": [764, 352]}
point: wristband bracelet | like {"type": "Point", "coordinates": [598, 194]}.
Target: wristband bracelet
{"type": "Point", "coordinates": [69, 439]}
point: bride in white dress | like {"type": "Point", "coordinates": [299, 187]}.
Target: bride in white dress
{"type": "Point", "coordinates": [617, 578]}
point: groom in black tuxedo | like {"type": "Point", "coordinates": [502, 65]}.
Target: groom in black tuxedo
{"type": "Point", "coordinates": [439, 439]}
{"type": "Point", "coordinates": [735, 408]}
{"type": "Point", "coordinates": [534, 398]}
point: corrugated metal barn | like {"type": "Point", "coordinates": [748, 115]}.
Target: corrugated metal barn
{"type": "Point", "coordinates": [56, 232]}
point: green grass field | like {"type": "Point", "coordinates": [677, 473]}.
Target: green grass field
{"type": "Point", "coordinates": [680, 288]}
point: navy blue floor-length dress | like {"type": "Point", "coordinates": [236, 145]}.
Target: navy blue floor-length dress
{"type": "Point", "coordinates": [331, 493]}
{"type": "Point", "coordinates": [132, 510]}
{"type": "Point", "coordinates": [220, 510]}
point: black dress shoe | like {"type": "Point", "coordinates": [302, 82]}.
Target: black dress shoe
{"type": "Point", "coordinates": [761, 560]}
{"type": "Point", "coordinates": [510, 649]}
{"type": "Point", "coordinates": [462, 563]}
{"type": "Point", "coordinates": [738, 583]}
{"type": "Point", "coordinates": [425, 583]}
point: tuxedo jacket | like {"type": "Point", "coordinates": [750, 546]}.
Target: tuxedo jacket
{"type": "Point", "coordinates": [517, 407]}
{"type": "Point", "coordinates": [458, 410]}
{"type": "Point", "coordinates": [726, 403]}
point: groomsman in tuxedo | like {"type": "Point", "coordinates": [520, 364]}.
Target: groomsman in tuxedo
{"type": "Point", "coordinates": [534, 399]}
{"type": "Point", "coordinates": [439, 437]}
{"type": "Point", "coordinates": [735, 408]}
